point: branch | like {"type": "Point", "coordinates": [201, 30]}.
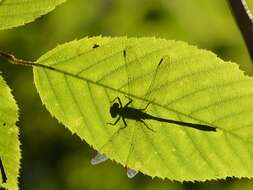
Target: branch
{"type": "Point", "coordinates": [244, 21]}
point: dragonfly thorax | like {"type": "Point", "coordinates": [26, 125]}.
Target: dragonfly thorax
{"type": "Point", "coordinates": [114, 109]}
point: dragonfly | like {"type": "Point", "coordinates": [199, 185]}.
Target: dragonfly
{"type": "Point", "coordinates": [129, 112]}
{"type": "Point", "coordinates": [126, 112]}
{"type": "Point", "coordinates": [4, 178]}
{"type": "Point", "coordinates": [138, 114]}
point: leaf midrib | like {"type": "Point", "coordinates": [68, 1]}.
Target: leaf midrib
{"type": "Point", "coordinates": [122, 92]}
{"type": "Point", "coordinates": [45, 67]}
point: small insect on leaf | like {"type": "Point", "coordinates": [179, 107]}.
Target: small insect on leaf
{"type": "Point", "coordinates": [95, 46]}
{"type": "Point", "coordinates": [99, 158]}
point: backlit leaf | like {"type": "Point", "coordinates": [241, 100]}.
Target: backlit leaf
{"type": "Point", "coordinates": [9, 141]}
{"type": "Point", "coordinates": [80, 78]}
{"type": "Point", "coordinates": [18, 12]}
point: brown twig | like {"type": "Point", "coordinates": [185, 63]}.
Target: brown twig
{"type": "Point", "coordinates": [244, 20]}
{"type": "Point", "coordinates": [12, 59]}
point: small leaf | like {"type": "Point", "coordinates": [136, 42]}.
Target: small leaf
{"type": "Point", "coordinates": [15, 12]}
{"type": "Point", "coordinates": [9, 141]}
{"type": "Point", "coordinates": [180, 82]}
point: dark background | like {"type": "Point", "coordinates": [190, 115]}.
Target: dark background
{"type": "Point", "coordinates": [53, 158]}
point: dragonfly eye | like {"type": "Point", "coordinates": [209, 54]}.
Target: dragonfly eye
{"type": "Point", "coordinates": [114, 109]}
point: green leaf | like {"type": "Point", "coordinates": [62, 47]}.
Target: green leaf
{"type": "Point", "coordinates": [9, 141]}
{"type": "Point", "coordinates": [18, 12]}
{"type": "Point", "coordinates": [79, 79]}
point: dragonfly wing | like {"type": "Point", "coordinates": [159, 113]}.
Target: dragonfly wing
{"type": "Point", "coordinates": [99, 158]}
{"type": "Point", "coordinates": [141, 81]}
{"type": "Point", "coordinates": [131, 173]}
{"type": "Point", "coordinates": [144, 79]}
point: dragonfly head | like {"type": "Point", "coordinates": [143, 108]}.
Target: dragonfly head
{"type": "Point", "coordinates": [114, 109]}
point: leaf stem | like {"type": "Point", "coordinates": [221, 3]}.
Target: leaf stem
{"type": "Point", "coordinates": [244, 20]}
{"type": "Point", "coordinates": [13, 60]}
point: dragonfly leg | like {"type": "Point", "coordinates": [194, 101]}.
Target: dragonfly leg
{"type": "Point", "coordinates": [117, 98]}
{"type": "Point", "coordinates": [130, 101]}
{"type": "Point", "coordinates": [122, 127]}
{"type": "Point", "coordinates": [143, 109]}
{"type": "Point", "coordinates": [115, 121]}
{"type": "Point", "coordinates": [146, 125]}
{"type": "Point", "coordinates": [124, 121]}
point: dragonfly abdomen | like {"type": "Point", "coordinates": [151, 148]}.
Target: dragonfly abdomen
{"type": "Point", "coordinates": [186, 124]}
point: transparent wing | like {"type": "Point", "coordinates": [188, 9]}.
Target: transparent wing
{"type": "Point", "coordinates": [131, 173]}
{"type": "Point", "coordinates": [141, 81]}
{"type": "Point", "coordinates": [99, 158]}
{"type": "Point", "coordinates": [143, 77]}
{"type": "Point", "coordinates": [131, 73]}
